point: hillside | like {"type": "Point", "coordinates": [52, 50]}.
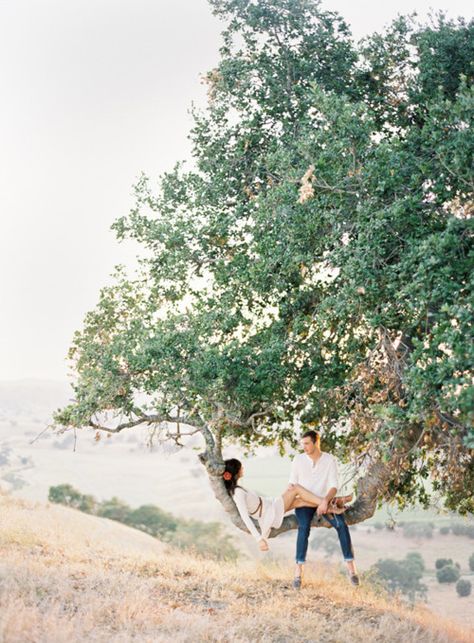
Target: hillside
{"type": "Point", "coordinates": [67, 576]}
{"type": "Point", "coordinates": [175, 481]}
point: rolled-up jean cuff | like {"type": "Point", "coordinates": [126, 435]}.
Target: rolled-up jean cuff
{"type": "Point", "coordinates": [300, 562]}
{"type": "Point", "coordinates": [348, 560]}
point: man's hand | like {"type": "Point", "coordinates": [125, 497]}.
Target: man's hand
{"type": "Point", "coordinates": [322, 508]}
{"type": "Point", "coordinates": [263, 545]}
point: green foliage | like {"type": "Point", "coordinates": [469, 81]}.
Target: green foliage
{"type": "Point", "coordinates": [65, 494]}
{"type": "Point", "coordinates": [463, 529]}
{"type": "Point", "coordinates": [204, 538]}
{"type": "Point", "coordinates": [442, 562]}
{"type": "Point", "coordinates": [114, 509]}
{"type": "Point", "coordinates": [402, 575]}
{"type": "Point", "coordinates": [415, 558]}
{"type": "Point", "coordinates": [463, 587]}
{"type": "Point", "coordinates": [153, 521]}
{"type": "Point", "coordinates": [328, 214]}
{"type": "Point", "coordinates": [444, 530]}
{"type": "Point", "coordinates": [448, 574]}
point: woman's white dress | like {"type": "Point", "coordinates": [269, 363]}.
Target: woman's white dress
{"type": "Point", "coordinates": [273, 510]}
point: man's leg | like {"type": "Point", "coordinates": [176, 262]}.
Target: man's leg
{"type": "Point", "coordinates": [304, 516]}
{"type": "Point", "coordinates": [340, 525]}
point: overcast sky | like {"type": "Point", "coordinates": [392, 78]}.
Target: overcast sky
{"type": "Point", "coordinates": [93, 92]}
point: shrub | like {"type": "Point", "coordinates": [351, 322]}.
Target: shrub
{"type": "Point", "coordinates": [458, 528]}
{"type": "Point", "coordinates": [463, 529]}
{"type": "Point", "coordinates": [463, 587]}
{"type": "Point", "coordinates": [378, 525]}
{"type": "Point", "coordinates": [469, 531]}
{"type": "Point", "coordinates": [66, 494]}
{"type": "Point", "coordinates": [114, 509]}
{"type": "Point", "coordinates": [402, 575]}
{"type": "Point", "coordinates": [415, 558]}
{"type": "Point", "coordinates": [444, 530]}
{"type": "Point", "coordinates": [442, 562]}
{"type": "Point", "coordinates": [152, 520]}
{"type": "Point", "coordinates": [448, 574]}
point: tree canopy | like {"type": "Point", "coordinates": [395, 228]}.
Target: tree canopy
{"type": "Point", "coordinates": [312, 263]}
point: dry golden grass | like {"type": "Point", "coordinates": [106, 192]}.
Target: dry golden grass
{"type": "Point", "coordinates": [66, 576]}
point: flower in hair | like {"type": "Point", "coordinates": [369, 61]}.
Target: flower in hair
{"type": "Point", "coordinates": [227, 475]}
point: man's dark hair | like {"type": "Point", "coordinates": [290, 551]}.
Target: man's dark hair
{"type": "Point", "coordinates": [314, 435]}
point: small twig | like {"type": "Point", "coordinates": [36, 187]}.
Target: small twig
{"type": "Point", "coordinates": [50, 426]}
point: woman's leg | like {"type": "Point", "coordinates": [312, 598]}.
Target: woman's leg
{"type": "Point", "coordinates": [297, 496]}
{"type": "Point", "coordinates": [297, 491]}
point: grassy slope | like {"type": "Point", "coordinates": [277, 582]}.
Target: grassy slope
{"type": "Point", "coordinates": [67, 576]}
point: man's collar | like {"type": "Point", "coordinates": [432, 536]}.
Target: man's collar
{"type": "Point", "coordinates": [311, 459]}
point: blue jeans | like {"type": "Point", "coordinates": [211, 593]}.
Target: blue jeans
{"type": "Point", "coordinates": [304, 516]}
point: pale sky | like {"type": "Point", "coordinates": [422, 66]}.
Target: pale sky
{"type": "Point", "coordinates": [93, 92]}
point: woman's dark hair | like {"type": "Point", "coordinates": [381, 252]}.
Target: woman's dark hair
{"type": "Point", "coordinates": [233, 467]}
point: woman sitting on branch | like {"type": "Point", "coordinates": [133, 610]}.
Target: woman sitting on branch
{"type": "Point", "coordinates": [269, 512]}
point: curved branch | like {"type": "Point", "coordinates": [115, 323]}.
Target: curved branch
{"type": "Point", "coordinates": [146, 419]}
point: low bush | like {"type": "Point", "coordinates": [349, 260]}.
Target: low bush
{"type": "Point", "coordinates": [463, 529]}
{"type": "Point", "coordinates": [442, 562]}
{"type": "Point", "coordinates": [448, 574]}
{"type": "Point", "coordinates": [402, 575]}
{"type": "Point", "coordinates": [463, 587]}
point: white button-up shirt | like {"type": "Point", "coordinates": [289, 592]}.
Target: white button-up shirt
{"type": "Point", "coordinates": [317, 477]}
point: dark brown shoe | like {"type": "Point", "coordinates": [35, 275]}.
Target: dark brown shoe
{"type": "Point", "coordinates": [355, 580]}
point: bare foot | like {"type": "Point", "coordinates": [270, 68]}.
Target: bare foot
{"type": "Point", "coordinates": [340, 501]}
{"type": "Point", "coordinates": [335, 508]}
{"type": "Point", "coordinates": [263, 545]}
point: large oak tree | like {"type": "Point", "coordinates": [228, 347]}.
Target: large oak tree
{"type": "Point", "coordinates": [313, 263]}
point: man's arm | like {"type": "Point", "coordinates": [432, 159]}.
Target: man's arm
{"type": "Point", "coordinates": [323, 507]}
{"type": "Point", "coordinates": [333, 484]}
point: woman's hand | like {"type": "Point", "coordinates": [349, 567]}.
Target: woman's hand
{"type": "Point", "coordinates": [263, 545]}
{"type": "Point", "coordinates": [322, 508]}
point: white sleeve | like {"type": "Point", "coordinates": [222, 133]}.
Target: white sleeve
{"type": "Point", "coordinates": [294, 472]}
{"type": "Point", "coordinates": [333, 478]}
{"type": "Point", "coordinates": [241, 502]}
